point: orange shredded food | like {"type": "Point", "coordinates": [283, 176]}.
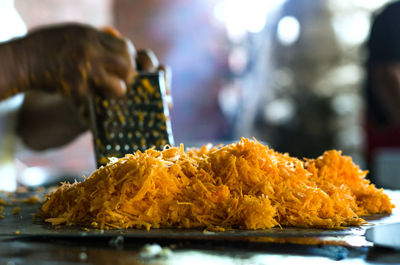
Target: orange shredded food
{"type": "Point", "coordinates": [30, 200]}
{"type": "Point", "coordinates": [244, 185]}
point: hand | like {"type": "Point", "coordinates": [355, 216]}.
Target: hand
{"type": "Point", "coordinates": [72, 59]}
{"type": "Point", "coordinates": [50, 120]}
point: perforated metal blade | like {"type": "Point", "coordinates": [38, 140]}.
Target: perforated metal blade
{"type": "Point", "coordinates": [138, 121]}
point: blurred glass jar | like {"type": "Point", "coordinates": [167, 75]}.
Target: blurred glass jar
{"type": "Point", "coordinates": [11, 25]}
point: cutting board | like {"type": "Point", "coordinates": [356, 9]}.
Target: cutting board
{"type": "Point", "coordinates": [23, 225]}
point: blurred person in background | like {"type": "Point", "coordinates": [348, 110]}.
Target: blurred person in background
{"type": "Point", "coordinates": [383, 97]}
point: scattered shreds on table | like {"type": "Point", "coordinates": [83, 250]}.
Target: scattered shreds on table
{"type": "Point", "coordinates": [244, 185]}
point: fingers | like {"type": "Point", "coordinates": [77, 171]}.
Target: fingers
{"type": "Point", "coordinates": [112, 43]}
{"type": "Point", "coordinates": [109, 85]}
{"type": "Point", "coordinates": [118, 54]}
{"type": "Point", "coordinates": [111, 30]}
{"type": "Point", "coordinates": [131, 54]}
{"type": "Point", "coordinates": [115, 69]}
{"type": "Point", "coordinates": [111, 63]}
{"type": "Point", "coordinates": [146, 60]}
{"type": "Point", "coordinates": [131, 48]}
{"type": "Point", "coordinates": [120, 67]}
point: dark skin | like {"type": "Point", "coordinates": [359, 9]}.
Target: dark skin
{"type": "Point", "coordinates": [57, 67]}
{"type": "Point", "coordinates": [49, 120]}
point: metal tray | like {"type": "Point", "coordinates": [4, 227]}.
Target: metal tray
{"type": "Point", "coordinates": [23, 225]}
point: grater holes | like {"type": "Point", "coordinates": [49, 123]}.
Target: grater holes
{"type": "Point", "coordinates": [131, 122]}
{"type": "Point", "coordinates": [134, 147]}
{"type": "Point", "coordinates": [143, 117]}
{"type": "Point", "coordinates": [105, 103]}
{"type": "Point", "coordinates": [139, 125]}
{"type": "Point", "coordinates": [155, 134]}
{"type": "Point", "coordinates": [150, 124]}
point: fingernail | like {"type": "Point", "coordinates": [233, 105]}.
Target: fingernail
{"type": "Point", "coordinates": [123, 87]}
{"type": "Point", "coordinates": [131, 47]}
{"type": "Point", "coordinates": [111, 30]}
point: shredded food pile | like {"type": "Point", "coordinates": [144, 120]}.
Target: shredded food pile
{"type": "Point", "coordinates": [244, 185]}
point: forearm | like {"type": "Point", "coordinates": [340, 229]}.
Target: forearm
{"type": "Point", "coordinates": [13, 69]}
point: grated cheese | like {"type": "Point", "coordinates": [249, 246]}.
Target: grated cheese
{"type": "Point", "coordinates": [244, 185]}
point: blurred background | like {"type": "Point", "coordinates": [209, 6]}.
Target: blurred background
{"type": "Point", "coordinates": [288, 72]}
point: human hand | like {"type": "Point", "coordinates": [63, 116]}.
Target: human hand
{"type": "Point", "coordinates": [73, 59]}
{"type": "Point", "coordinates": [87, 60]}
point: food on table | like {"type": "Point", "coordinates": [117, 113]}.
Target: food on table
{"type": "Point", "coordinates": [244, 185]}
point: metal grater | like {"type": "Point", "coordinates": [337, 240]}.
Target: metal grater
{"type": "Point", "coordinates": [138, 121]}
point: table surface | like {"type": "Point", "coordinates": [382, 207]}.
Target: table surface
{"type": "Point", "coordinates": [27, 241]}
